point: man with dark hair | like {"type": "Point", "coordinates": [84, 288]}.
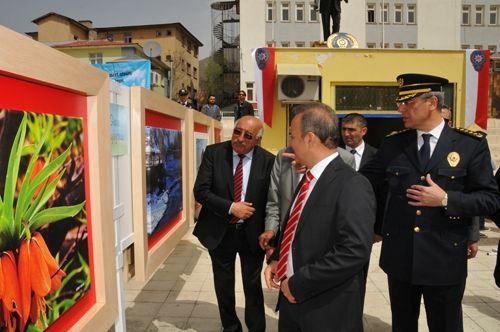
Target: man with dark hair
{"type": "Point", "coordinates": [327, 238]}
{"type": "Point", "coordinates": [231, 186]}
{"type": "Point", "coordinates": [354, 128]}
{"type": "Point", "coordinates": [329, 9]}
{"type": "Point", "coordinates": [211, 109]}
{"type": "Point", "coordinates": [242, 107]}
{"type": "Point", "coordinates": [183, 98]}
{"type": "Point", "coordinates": [447, 114]}
{"type": "Point", "coordinates": [430, 180]}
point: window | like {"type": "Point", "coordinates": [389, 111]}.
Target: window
{"type": "Point", "coordinates": [300, 44]}
{"type": "Point", "coordinates": [398, 13]}
{"type": "Point", "coordinates": [299, 12]}
{"type": "Point", "coordinates": [188, 68]}
{"type": "Point", "coordinates": [195, 53]}
{"type": "Point", "coordinates": [158, 33]}
{"type": "Point", "coordinates": [370, 13]}
{"type": "Point", "coordinates": [493, 15]}
{"type": "Point", "coordinates": [285, 12]}
{"type": "Point", "coordinates": [109, 36]}
{"type": "Point", "coordinates": [398, 45]}
{"type": "Point", "coordinates": [478, 47]}
{"type": "Point", "coordinates": [384, 45]}
{"type": "Point", "coordinates": [464, 46]}
{"type": "Point", "coordinates": [183, 65]}
{"type": "Point", "coordinates": [127, 37]}
{"type": "Point", "coordinates": [169, 33]}
{"type": "Point", "coordinates": [313, 14]}
{"type": "Point", "coordinates": [354, 98]}
{"type": "Point", "coordinates": [250, 90]}
{"type": "Point", "coordinates": [95, 58]}
{"type": "Point", "coordinates": [371, 45]}
{"type": "Point", "coordinates": [492, 48]}
{"type": "Point", "coordinates": [385, 13]}
{"type": "Point", "coordinates": [285, 44]}
{"type": "Point", "coordinates": [478, 15]}
{"type": "Point", "coordinates": [466, 15]}
{"type": "Point", "coordinates": [412, 45]}
{"type": "Point", "coordinates": [411, 14]}
{"type": "Point", "coordinates": [189, 47]}
{"type": "Point", "coordinates": [270, 44]}
{"type": "Point", "coordinates": [269, 11]}
{"type": "Point", "coordinates": [195, 72]}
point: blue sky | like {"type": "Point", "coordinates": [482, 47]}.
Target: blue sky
{"type": "Point", "coordinates": [195, 15]}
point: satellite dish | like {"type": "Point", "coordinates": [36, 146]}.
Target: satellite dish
{"type": "Point", "coordinates": [152, 49]}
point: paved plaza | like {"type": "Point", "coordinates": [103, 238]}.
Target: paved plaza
{"type": "Point", "coordinates": [180, 296]}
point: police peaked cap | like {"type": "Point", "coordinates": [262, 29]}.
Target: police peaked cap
{"type": "Point", "coordinates": [412, 85]}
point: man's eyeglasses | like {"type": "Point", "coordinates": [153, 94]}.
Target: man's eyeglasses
{"type": "Point", "coordinates": [247, 135]}
{"type": "Point", "coordinates": [242, 94]}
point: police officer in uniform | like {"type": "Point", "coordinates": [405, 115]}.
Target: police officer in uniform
{"type": "Point", "coordinates": [430, 180]}
{"type": "Point", "coordinates": [183, 98]}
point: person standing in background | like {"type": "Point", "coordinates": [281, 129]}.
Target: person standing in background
{"type": "Point", "coordinates": [211, 109]}
{"type": "Point", "coordinates": [354, 128]}
{"type": "Point", "coordinates": [183, 98]}
{"type": "Point", "coordinates": [329, 10]}
{"type": "Point", "coordinates": [242, 107]}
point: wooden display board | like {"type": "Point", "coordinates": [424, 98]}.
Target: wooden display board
{"type": "Point", "coordinates": [159, 182]}
{"type": "Point", "coordinates": [55, 114]}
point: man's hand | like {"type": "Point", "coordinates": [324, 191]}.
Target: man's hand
{"type": "Point", "coordinates": [472, 249]}
{"type": "Point", "coordinates": [269, 274]}
{"type": "Point", "coordinates": [286, 291]}
{"type": "Point", "coordinates": [377, 238]}
{"type": "Point", "coordinates": [299, 168]}
{"type": "Point", "coordinates": [430, 195]}
{"type": "Point", "coordinates": [242, 210]}
{"type": "Point", "coordinates": [264, 239]}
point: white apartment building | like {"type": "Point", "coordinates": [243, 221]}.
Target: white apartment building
{"type": "Point", "coordinates": [422, 24]}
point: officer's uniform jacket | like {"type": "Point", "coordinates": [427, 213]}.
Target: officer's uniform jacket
{"type": "Point", "coordinates": [428, 245]}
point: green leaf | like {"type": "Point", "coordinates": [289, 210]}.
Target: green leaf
{"type": "Point", "coordinates": [11, 179]}
{"type": "Point", "coordinates": [54, 214]}
{"type": "Point", "coordinates": [42, 198]}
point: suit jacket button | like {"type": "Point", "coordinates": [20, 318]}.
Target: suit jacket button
{"type": "Point", "coordinates": [386, 234]}
{"type": "Point", "coordinates": [416, 229]}
{"type": "Point", "coordinates": [418, 213]}
{"type": "Point", "coordinates": [455, 244]}
{"type": "Point", "coordinates": [453, 177]}
{"type": "Point", "coordinates": [397, 173]}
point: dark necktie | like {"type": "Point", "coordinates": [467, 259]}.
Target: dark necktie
{"type": "Point", "coordinates": [425, 150]}
{"type": "Point", "coordinates": [238, 184]}
{"type": "Point", "coordinates": [353, 151]}
{"type": "Point", "coordinates": [291, 226]}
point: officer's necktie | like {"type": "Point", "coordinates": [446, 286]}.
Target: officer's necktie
{"type": "Point", "coordinates": [425, 150]}
{"type": "Point", "coordinates": [238, 184]}
{"type": "Point", "coordinates": [291, 226]}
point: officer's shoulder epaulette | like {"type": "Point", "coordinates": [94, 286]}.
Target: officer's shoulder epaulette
{"type": "Point", "coordinates": [476, 134]}
{"type": "Point", "coordinates": [397, 132]}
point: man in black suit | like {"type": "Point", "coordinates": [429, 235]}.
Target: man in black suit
{"type": "Point", "coordinates": [329, 9]}
{"type": "Point", "coordinates": [354, 128]}
{"type": "Point", "coordinates": [230, 223]}
{"type": "Point", "coordinates": [430, 180]}
{"type": "Point", "coordinates": [242, 107]}
{"type": "Point", "coordinates": [327, 238]}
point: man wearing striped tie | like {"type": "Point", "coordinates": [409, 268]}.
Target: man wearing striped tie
{"type": "Point", "coordinates": [327, 238]}
{"type": "Point", "coordinates": [232, 185]}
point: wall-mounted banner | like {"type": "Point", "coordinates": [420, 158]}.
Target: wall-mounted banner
{"type": "Point", "coordinates": [129, 73]}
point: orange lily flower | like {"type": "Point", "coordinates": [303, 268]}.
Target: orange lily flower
{"type": "Point", "coordinates": [23, 270]}
{"type": "Point", "coordinates": [11, 299]}
{"type": "Point", "coordinates": [55, 272]}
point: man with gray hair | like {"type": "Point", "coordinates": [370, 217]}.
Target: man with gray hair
{"type": "Point", "coordinates": [430, 180]}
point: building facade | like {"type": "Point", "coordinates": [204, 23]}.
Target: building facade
{"type": "Point", "coordinates": [172, 43]}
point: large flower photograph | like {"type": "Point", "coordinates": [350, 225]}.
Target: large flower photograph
{"type": "Point", "coordinates": [44, 250]}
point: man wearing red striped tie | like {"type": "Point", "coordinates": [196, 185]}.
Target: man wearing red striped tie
{"type": "Point", "coordinates": [327, 238]}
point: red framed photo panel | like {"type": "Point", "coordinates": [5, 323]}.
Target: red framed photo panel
{"type": "Point", "coordinates": [56, 94]}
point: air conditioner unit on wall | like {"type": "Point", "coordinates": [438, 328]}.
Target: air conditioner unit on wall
{"type": "Point", "coordinates": [298, 88]}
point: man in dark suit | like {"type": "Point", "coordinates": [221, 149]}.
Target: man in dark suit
{"type": "Point", "coordinates": [354, 128]}
{"type": "Point", "coordinates": [430, 180]}
{"type": "Point", "coordinates": [284, 179]}
{"type": "Point", "coordinates": [330, 9]}
{"type": "Point", "coordinates": [242, 107]}
{"type": "Point", "coordinates": [327, 237]}
{"type": "Point", "coordinates": [232, 218]}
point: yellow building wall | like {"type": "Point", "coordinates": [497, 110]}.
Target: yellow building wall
{"type": "Point", "coordinates": [365, 67]}
{"type": "Point", "coordinates": [110, 54]}
{"type": "Point", "coordinates": [55, 28]}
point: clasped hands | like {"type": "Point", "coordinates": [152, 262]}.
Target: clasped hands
{"type": "Point", "coordinates": [242, 210]}
{"type": "Point", "coordinates": [430, 195]}
{"type": "Point", "coordinates": [271, 282]}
